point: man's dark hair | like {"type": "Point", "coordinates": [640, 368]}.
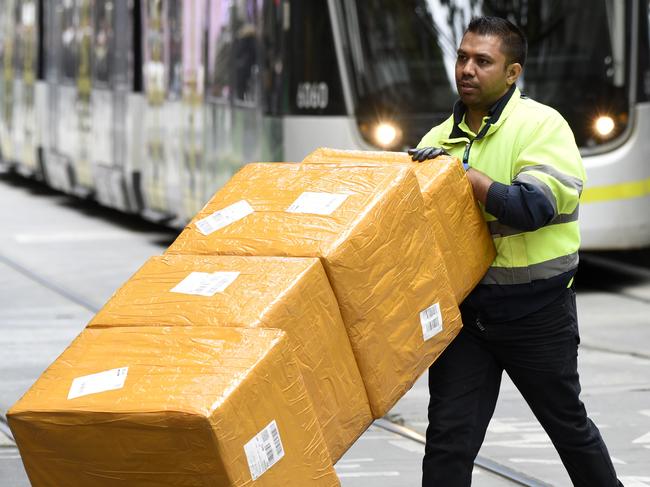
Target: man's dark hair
{"type": "Point", "coordinates": [513, 40]}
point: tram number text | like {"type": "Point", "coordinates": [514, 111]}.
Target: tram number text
{"type": "Point", "coordinates": [312, 95]}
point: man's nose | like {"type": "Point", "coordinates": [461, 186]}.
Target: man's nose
{"type": "Point", "coordinates": [469, 68]}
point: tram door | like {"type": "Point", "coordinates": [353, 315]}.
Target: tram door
{"type": "Point", "coordinates": [24, 92]}
{"type": "Point", "coordinates": [111, 45]}
{"type": "Point", "coordinates": [189, 140]}
{"type": "Point", "coordinates": [243, 47]}
{"type": "Point", "coordinates": [173, 90]}
{"type": "Point", "coordinates": [7, 47]}
{"type": "Point", "coordinates": [69, 91]}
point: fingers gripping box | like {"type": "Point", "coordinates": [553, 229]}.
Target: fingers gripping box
{"type": "Point", "coordinates": [159, 406]}
{"type": "Point", "coordinates": [291, 294]}
{"type": "Point", "coordinates": [367, 226]}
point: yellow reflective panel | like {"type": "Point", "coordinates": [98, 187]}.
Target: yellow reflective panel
{"type": "Point", "coordinates": [635, 189]}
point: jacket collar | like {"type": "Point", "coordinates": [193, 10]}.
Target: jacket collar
{"type": "Point", "coordinates": [496, 114]}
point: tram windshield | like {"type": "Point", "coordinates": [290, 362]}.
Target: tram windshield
{"type": "Point", "coordinates": [403, 52]}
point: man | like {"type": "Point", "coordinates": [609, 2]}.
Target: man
{"type": "Point", "coordinates": [525, 169]}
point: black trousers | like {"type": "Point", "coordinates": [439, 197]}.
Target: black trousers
{"type": "Point", "coordinates": [539, 352]}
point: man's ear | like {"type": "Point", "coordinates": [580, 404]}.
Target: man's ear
{"type": "Point", "coordinates": [513, 71]}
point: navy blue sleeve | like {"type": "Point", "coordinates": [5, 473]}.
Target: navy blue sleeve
{"type": "Point", "coordinates": [520, 205]}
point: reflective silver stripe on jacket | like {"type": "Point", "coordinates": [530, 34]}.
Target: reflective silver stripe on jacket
{"type": "Point", "coordinates": [568, 181]}
{"type": "Point", "coordinates": [541, 185]}
{"type": "Point", "coordinates": [498, 229]}
{"type": "Point", "coordinates": [524, 275]}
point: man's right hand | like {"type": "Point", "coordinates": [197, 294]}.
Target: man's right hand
{"type": "Point", "coordinates": [424, 153]}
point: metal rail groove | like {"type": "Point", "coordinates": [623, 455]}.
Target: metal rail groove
{"type": "Point", "coordinates": [4, 429]}
{"type": "Point", "coordinates": [60, 290]}
{"type": "Point", "coordinates": [482, 462]}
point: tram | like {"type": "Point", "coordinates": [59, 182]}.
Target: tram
{"type": "Point", "coordinates": [149, 106]}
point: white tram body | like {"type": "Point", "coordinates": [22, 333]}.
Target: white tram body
{"type": "Point", "coordinates": [149, 106]}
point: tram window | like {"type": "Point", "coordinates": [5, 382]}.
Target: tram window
{"type": "Point", "coordinates": [103, 40]}
{"type": "Point", "coordinates": [193, 37]}
{"type": "Point", "coordinates": [17, 35]}
{"type": "Point", "coordinates": [644, 55]}
{"type": "Point", "coordinates": [272, 53]}
{"type": "Point", "coordinates": [154, 50]}
{"type": "Point", "coordinates": [28, 36]}
{"type": "Point", "coordinates": [315, 84]}
{"type": "Point", "coordinates": [175, 72]}
{"type": "Point", "coordinates": [244, 51]}
{"type": "Point", "coordinates": [219, 49]}
{"type": "Point", "coordinates": [69, 48]}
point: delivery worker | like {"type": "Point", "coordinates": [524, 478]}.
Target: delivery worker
{"type": "Point", "coordinates": [525, 169]}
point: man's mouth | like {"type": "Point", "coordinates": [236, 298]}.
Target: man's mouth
{"type": "Point", "coordinates": [464, 86]}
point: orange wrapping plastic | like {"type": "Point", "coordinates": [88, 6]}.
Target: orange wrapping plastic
{"type": "Point", "coordinates": [367, 225]}
{"type": "Point", "coordinates": [274, 292]}
{"type": "Point", "coordinates": [191, 399]}
{"type": "Point", "coordinates": [450, 207]}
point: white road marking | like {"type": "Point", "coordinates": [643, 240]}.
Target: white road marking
{"type": "Point", "coordinates": [635, 481]}
{"type": "Point", "coordinates": [343, 466]}
{"type": "Point", "coordinates": [509, 426]}
{"type": "Point", "coordinates": [529, 440]}
{"type": "Point", "coordinates": [645, 412]}
{"type": "Point", "coordinates": [617, 461]}
{"type": "Point", "coordinates": [541, 461]}
{"type": "Point", "coordinates": [409, 446]}
{"type": "Point", "coordinates": [378, 437]}
{"type": "Point", "coordinates": [356, 460]}
{"type": "Point", "coordinates": [392, 473]}
{"type": "Point", "coordinates": [642, 439]}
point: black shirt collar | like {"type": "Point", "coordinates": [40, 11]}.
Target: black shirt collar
{"type": "Point", "coordinates": [494, 112]}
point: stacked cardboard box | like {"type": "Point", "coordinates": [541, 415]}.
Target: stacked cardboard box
{"type": "Point", "coordinates": [170, 406]}
{"type": "Point", "coordinates": [449, 205]}
{"type": "Point", "coordinates": [271, 292]}
{"type": "Point", "coordinates": [367, 225]}
{"type": "Point", "coordinates": [300, 302]}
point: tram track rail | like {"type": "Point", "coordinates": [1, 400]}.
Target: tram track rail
{"type": "Point", "coordinates": [486, 464]}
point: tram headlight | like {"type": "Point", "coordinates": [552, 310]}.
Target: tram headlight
{"type": "Point", "coordinates": [386, 134]}
{"type": "Point", "coordinates": [604, 126]}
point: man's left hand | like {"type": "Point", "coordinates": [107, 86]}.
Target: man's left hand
{"type": "Point", "coordinates": [424, 153]}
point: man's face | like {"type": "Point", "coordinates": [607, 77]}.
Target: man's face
{"type": "Point", "coordinates": [482, 74]}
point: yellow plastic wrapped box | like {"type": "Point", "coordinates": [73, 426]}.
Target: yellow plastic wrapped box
{"type": "Point", "coordinates": [368, 227]}
{"type": "Point", "coordinates": [171, 406]}
{"type": "Point", "coordinates": [290, 294]}
{"type": "Point", "coordinates": [450, 206]}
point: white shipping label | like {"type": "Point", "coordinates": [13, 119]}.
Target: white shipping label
{"type": "Point", "coordinates": [431, 320]}
{"type": "Point", "coordinates": [264, 450]}
{"type": "Point", "coordinates": [317, 203]}
{"type": "Point", "coordinates": [205, 283]}
{"type": "Point", "coordinates": [223, 218]}
{"type": "Point", "coordinates": [108, 380]}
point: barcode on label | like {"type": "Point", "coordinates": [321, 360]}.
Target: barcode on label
{"type": "Point", "coordinates": [264, 450]}
{"type": "Point", "coordinates": [224, 217]}
{"type": "Point", "coordinates": [205, 283]}
{"type": "Point", "coordinates": [276, 440]}
{"type": "Point", "coordinates": [431, 320]}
